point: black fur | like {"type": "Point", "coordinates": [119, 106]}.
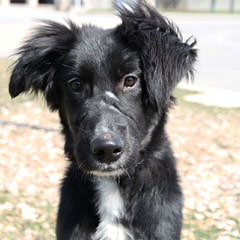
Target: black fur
{"type": "Point", "coordinates": [147, 46]}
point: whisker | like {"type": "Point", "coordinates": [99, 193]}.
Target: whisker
{"type": "Point", "coordinates": [127, 173]}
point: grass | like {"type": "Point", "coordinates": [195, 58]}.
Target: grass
{"type": "Point", "coordinates": [180, 94]}
{"type": "Point", "coordinates": [198, 11]}
{"type": "Point", "coordinates": [4, 78]}
{"type": "Point", "coordinates": [5, 99]}
{"type": "Point", "coordinates": [172, 10]}
{"type": "Point", "coordinates": [4, 197]}
{"type": "Point", "coordinates": [200, 231]}
{"type": "Point", "coordinates": [205, 229]}
{"type": "Point", "coordinates": [42, 227]}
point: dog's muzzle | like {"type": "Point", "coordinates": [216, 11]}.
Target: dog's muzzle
{"type": "Point", "coordinates": [107, 148]}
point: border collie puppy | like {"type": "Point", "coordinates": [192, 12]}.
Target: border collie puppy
{"type": "Point", "coordinates": [112, 89]}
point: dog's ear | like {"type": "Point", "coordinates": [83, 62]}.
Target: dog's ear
{"type": "Point", "coordinates": [165, 58]}
{"type": "Point", "coordinates": [39, 57]}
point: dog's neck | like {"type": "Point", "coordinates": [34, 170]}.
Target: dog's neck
{"type": "Point", "coordinates": [111, 209]}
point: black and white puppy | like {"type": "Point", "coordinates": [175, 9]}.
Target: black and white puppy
{"type": "Point", "coordinates": [112, 89]}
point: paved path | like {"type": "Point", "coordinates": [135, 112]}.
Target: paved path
{"type": "Point", "coordinates": [218, 39]}
{"type": "Point", "coordinates": [219, 49]}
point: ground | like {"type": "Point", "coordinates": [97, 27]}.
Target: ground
{"type": "Point", "coordinates": [206, 142]}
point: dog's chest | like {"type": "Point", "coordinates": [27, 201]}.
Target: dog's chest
{"type": "Point", "coordinates": [111, 210]}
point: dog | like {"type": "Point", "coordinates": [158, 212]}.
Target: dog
{"type": "Point", "coordinates": [112, 89]}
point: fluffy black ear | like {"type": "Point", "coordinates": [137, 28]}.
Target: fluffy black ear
{"type": "Point", "coordinates": [165, 58]}
{"type": "Point", "coordinates": [38, 59]}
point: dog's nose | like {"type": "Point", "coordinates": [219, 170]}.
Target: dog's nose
{"type": "Point", "coordinates": [107, 148]}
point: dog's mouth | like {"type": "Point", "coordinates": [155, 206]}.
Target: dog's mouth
{"type": "Point", "coordinates": [107, 173]}
{"type": "Point", "coordinates": [116, 168]}
{"type": "Point", "coordinates": [93, 166]}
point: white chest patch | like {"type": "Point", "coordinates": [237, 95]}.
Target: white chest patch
{"type": "Point", "coordinates": [110, 209]}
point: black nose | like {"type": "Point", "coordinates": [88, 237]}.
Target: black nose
{"type": "Point", "coordinates": [107, 148]}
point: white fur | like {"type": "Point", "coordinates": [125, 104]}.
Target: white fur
{"type": "Point", "coordinates": [114, 109]}
{"type": "Point", "coordinates": [102, 103]}
{"type": "Point", "coordinates": [125, 5]}
{"type": "Point", "coordinates": [110, 209]}
{"type": "Point", "coordinates": [110, 203]}
{"type": "Point", "coordinates": [111, 231]}
{"type": "Point", "coordinates": [107, 174]}
{"type": "Point", "coordinates": [111, 95]}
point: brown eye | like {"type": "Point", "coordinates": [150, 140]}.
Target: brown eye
{"type": "Point", "coordinates": [130, 81]}
{"type": "Point", "coordinates": [75, 85]}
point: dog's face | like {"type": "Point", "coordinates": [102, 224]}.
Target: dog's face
{"type": "Point", "coordinates": [100, 86]}
{"type": "Point", "coordinates": [111, 87]}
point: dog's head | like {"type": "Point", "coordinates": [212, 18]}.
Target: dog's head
{"type": "Point", "coordinates": [111, 87]}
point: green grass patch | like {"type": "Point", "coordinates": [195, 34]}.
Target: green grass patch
{"type": "Point", "coordinates": [5, 99]}
{"type": "Point", "coordinates": [16, 227]}
{"type": "Point", "coordinates": [210, 233]}
{"type": "Point", "coordinates": [200, 228]}
{"type": "Point", "coordinates": [101, 11]}
{"type": "Point", "coordinates": [4, 79]}
{"type": "Point", "coordinates": [199, 11]}
{"type": "Point", "coordinates": [180, 94]}
{"type": "Point", "coordinates": [221, 145]}
{"type": "Point", "coordinates": [205, 228]}
{"type": "Point", "coordinates": [4, 197]}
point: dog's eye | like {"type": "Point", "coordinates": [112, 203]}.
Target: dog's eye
{"type": "Point", "coordinates": [75, 85]}
{"type": "Point", "coordinates": [130, 80]}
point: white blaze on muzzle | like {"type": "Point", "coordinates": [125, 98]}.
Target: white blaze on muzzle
{"type": "Point", "coordinates": [111, 95]}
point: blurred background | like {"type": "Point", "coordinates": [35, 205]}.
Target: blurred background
{"type": "Point", "coordinates": [179, 5]}
{"type": "Point", "coordinates": [204, 126]}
